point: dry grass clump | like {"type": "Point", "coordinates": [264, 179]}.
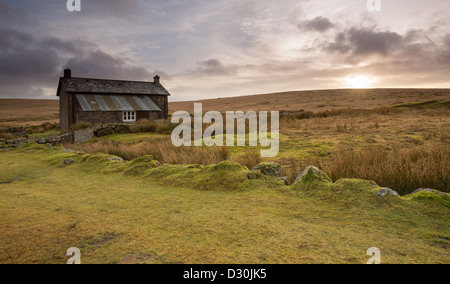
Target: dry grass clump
{"type": "Point", "coordinates": [147, 126]}
{"type": "Point", "coordinates": [81, 125]}
{"type": "Point", "coordinates": [250, 159]}
{"type": "Point", "coordinates": [403, 170]}
{"type": "Point", "coordinates": [162, 150]}
{"type": "Point", "coordinates": [143, 126]}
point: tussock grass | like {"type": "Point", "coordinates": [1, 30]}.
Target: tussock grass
{"type": "Point", "coordinates": [250, 159]}
{"type": "Point", "coordinates": [213, 214]}
{"type": "Point", "coordinates": [81, 125]}
{"type": "Point", "coordinates": [162, 150]}
{"type": "Point", "coordinates": [148, 126]}
{"type": "Point", "coordinates": [403, 170]}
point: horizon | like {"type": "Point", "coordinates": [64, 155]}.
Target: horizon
{"type": "Point", "coordinates": [204, 50]}
{"type": "Point", "coordinates": [251, 95]}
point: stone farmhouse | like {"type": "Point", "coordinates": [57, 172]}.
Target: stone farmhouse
{"type": "Point", "coordinates": [100, 101]}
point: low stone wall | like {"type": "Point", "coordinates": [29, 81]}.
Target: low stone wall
{"type": "Point", "coordinates": [81, 136]}
{"type": "Point", "coordinates": [73, 137]}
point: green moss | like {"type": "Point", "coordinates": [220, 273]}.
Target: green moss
{"type": "Point", "coordinates": [255, 174]}
{"type": "Point", "coordinates": [271, 169]}
{"type": "Point", "coordinates": [141, 160]}
{"type": "Point", "coordinates": [141, 165]}
{"type": "Point", "coordinates": [33, 146]}
{"type": "Point", "coordinates": [426, 104]}
{"type": "Point", "coordinates": [313, 174]}
{"type": "Point", "coordinates": [431, 197]}
{"type": "Point", "coordinates": [227, 166]}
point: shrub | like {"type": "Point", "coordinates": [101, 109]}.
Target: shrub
{"type": "Point", "coordinates": [7, 136]}
{"type": "Point", "coordinates": [250, 159]}
{"type": "Point", "coordinates": [80, 126]}
{"type": "Point", "coordinates": [143, 126]}
{"type": "Point", "coordinates": [164, 127]}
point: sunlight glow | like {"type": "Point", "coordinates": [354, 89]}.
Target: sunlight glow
{"type": "Point", "coordinates": [359, 81]}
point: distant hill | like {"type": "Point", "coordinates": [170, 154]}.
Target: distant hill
{"type": "Point", "coordinates": [319, 100]}
{"type": "Point", "coordinates": [28, 111]}
{"type": "Point", "coordinates": [22, 111]}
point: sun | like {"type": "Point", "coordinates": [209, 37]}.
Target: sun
{"type": "Point", "coordinates": [359, 81]}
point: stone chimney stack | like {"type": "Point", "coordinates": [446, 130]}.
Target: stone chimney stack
{"type": "Point", "coordinates": [67, 73]}
{"type": "Point", "coordinates": [156, 79]}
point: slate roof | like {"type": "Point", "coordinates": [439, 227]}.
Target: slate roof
{"type": "Point", "coordinates": [102, 86]}
{"type": "Point", "coordinates": [116, 103]}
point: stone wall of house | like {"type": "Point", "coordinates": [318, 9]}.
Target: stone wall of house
{"type": "Point", "coordinates": [162, 103]}
{"type": "Point", "coordinates": [98, 117]}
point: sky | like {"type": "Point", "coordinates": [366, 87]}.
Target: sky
{"type": "Point", "coordinates": [215, 48]}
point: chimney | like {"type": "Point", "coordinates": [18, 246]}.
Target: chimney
{"type": "Point", "coordinates": [156, 79]}
{"type": "Point", "coordinates": [67, 73]}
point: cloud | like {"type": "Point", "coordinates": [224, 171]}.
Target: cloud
{"type": "Point", "coordinates": [10, 15]}
{"type": "Point", "coordinates": [28, 65]}
{"type": "Point", "coordinates": [211, 67]}
{"type": "Point", "coordinates": [128, 9]}
{"type": "Point", "coordinates": [318, 24]}
{"type": "Point", "coordinates": [98, 64]}
{"type": "Point", "coordinates": [362, 42]}
{"type": "Point", "coordinates": [367, 42]}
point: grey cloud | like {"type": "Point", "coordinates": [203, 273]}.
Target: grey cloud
{"type": "Point", "coordinates": [445, 54]}
{"type": "Point", "coordinates": [118, 8]}
{"type": "Point", "coordinates": [366, 42]}
{"type": "Point", "coordinates": [212, 67]}
{"type": "Point", "coordinates": [68, 46]}
{"type": "Point", "coordinates": [360, 42]}
{"type": "Point", "coordinates": [101, 65]}
{"type": "Point", "coordinates": [28, 64]}
{"type": "Point", "coordinates": [318, 24]}
{"type": "Point", "coordinates": [340, 44]}
{"type": "Point", "coordinates": [10, 15]}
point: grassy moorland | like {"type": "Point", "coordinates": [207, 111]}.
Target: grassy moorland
{"type": "Point", "coordinates": [200, 207]}
{"type": "Point", "coordinates": [130, 212]}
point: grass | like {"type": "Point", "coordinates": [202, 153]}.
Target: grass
{"type": "Point", "coordinates": [161, 149]}
{"type": "Point", "coordinates": [403, 149]}
{"type": "Point", "coordinates": [113, 218]}
{"type": "Point", "coordinates": [402, 169]}
{"type": "Point", "coordinates": [426, 104]}
{"type": "Point", "coordinates": [199, 209]}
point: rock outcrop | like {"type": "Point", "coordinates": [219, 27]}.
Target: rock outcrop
{"type": "Point", "coordinates": [269, 169]}
{"type": "Point", "coordinates": [385, 191]}
{"type": "Point", "coordinates": [312, 174]}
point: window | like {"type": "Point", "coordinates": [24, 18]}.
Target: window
{"type": "Point", "coordinates": [129, 116]}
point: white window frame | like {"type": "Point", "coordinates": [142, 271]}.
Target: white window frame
{"type": "Point", "coordinates": [129, 116]}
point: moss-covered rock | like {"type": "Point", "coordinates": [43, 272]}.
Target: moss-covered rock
{"type": "Point", "coordinates": [142, 160]}
{"type": "Point", "coordinates": [312, 174]}
{"type": "Point", "coordinates": [141, 165]}
{"type": "Point", "coordinates": [431, 195]}
{"type": "Point", "coordinates": [283, 180]}
{"type": "Point", "coordinates": [69, 161]}
{"type": "Point", "coordinates": [254, 174]}
{"type": "Point", "coordinates": [269, 169]}
{"type": "Point", "coordinates": [386, 192]}
{"type": "Point", "coordinates": [429, 190]}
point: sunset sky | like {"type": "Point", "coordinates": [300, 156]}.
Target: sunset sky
{"type": "Point", "coordinates": [209, 49]}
